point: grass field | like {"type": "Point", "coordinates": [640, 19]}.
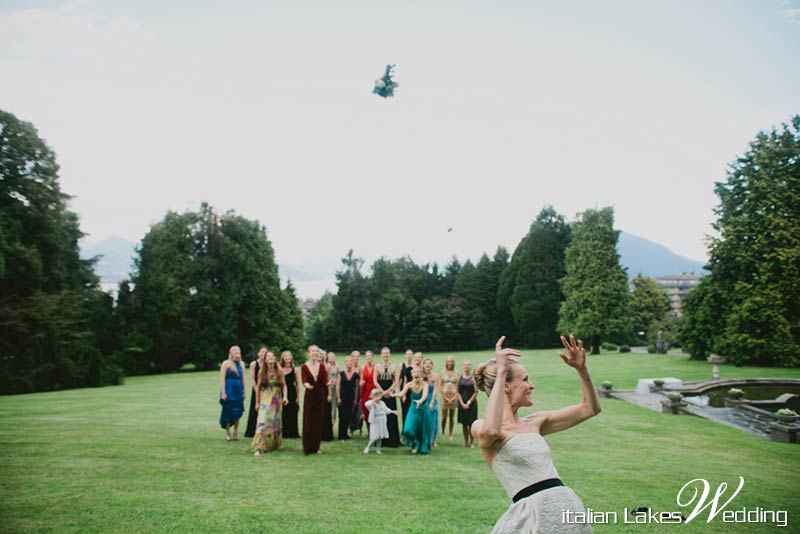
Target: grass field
{"type": "Point", "coordinates": [150, 456]}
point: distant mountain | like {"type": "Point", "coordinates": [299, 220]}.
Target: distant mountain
{"type": "Point", "coordinates": [638, 254]}
{"type": "Point", "coordinates": [643, 256]}
{"type": "Point", "coordinates": [115, 260]}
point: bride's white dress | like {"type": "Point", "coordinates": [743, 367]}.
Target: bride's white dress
{"type": "Point", "coordinates": [524, 460]}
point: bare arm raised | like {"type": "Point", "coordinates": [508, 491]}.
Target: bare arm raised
{"type": "Point", "coordinates": [558, 420]}
{"type": "Point", "coordinates": [489, 431]}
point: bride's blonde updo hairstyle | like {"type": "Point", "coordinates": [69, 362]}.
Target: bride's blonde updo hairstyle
{"type": "Point", "coordinates": [486, 373]}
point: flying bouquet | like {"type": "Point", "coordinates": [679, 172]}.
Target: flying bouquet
{"type": "Point", "coordinates": [385, 85]}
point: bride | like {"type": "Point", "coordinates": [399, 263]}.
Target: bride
{"type": "Point", "coordinates": [515, 449]}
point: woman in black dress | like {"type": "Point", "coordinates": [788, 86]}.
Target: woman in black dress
{"type": "Point", "coordinates": [467, 407]}
{"type": "Point", "coordinates": [386, 377]}
{"type": "Point", "coordinates": [252, 414]}
{"type": "Point", "coordinates": [346, 387]}
{"type": "Point", "coordinates": [405, 378]}
{"type": "Point", "coordinates": [327, 416]}
{"type": "Point", "coordinates": [356, 418]}
{"type": "Point", "coordinates": [292, 377]}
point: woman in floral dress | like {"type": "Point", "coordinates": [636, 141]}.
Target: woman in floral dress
{"type": "Point", "coordinates": [271, 391]}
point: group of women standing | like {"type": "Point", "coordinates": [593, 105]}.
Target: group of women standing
{"type": "Point", "coordinates": [330, 392]}
{"type": "Point", "coordinates": [507, 441]}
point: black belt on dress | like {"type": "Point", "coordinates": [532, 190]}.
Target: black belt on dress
{"type": "Point", "coordinates": [536, 488]}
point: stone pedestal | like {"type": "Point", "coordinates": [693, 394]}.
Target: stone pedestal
{"type": "Point", "coordinates": [667, 406]}
{"type": "Point", "coordinates": [783, 432]}
{"type": "Point", "coordinates": [716, 360]}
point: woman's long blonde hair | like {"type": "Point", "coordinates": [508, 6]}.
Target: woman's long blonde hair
{"type": "Point", "coordinates": [231, 361]}
{"type": "Point", "coordinates": [263, 373]}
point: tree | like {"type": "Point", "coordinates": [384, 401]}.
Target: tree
{"type": "Point", "coordinates": [649, 304]}
{"type": "Point", "coordinates": [445, 323]}
{"type": "Point", "coordinates": [351, 304]}
{"type": "Point", "coordinates": [530, 289]}
{"type": "Point", "coordinates": [397, 287]}
{"type": "Point", "coordinates": [319, 325]}
{"type": "Point", "coordinates": [290, 326]}
{"type": "Point", "coordinates": [703, 316]}
{"type": "Point", "coordinates": [205, 282]}
{"type": "Point", "coordinates": [749, 301]}
{"type": "Point", "coordinates": [50, 304]}
{"type": "Point", "coordinates": [595, 286]}
{"type": "Point", "coordinates": [477, 286]}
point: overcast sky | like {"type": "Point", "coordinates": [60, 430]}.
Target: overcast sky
{"type": "Point", "coordinates": [266, 108]}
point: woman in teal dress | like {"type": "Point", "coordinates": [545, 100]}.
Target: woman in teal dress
{"type": "Point", "coordinates": [232, 390]}
{"type": "Point", "coordinates": [416, 427]}
{"type": "Point", "coordinates": [271, 391]}
{"type": "Point", "coordinates": [433, 402]}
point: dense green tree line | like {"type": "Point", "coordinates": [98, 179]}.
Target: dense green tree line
{"type": "Point", "coordinates": [558, 272]}
{"type": "Point", "coordinates": [748, 308]}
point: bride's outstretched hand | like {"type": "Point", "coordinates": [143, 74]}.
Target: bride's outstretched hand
{"type": "Point", "coordinates": [576, 354]}
{"type": "Point", "coordinates": [501, 355]}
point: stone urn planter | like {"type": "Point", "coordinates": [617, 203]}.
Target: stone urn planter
{"type": "Point", "coordinates": [786, 416]}
{"type": "Point", "coordinates": [673, 403]}
{"type": "Point", "coordinates": [735, 398]}
{"type": "Point", "coordinates": [606, 388]}
{"type": "Point", "coordinates": [785, 429]}
{"type": "Point", "coordinates": [735, 393]}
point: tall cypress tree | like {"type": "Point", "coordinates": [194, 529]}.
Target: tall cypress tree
{"type": "Point", "coordinates": [530, 290]}
{"type": "Point", "coordinates": [595, 286]}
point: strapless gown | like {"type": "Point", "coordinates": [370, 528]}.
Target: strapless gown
{"type": "Point", "coordinates": [524, 460]}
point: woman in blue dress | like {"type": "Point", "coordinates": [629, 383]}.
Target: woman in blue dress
{"type": "Point", "coordinates": [416, 427]}
{"type": "Point", "coordinates": [232, 390]}
{"type": "Point", "coordinates": [433, 402]}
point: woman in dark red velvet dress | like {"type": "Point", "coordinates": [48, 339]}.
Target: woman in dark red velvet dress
{"type": "Point", "coordinates": [315, 380]}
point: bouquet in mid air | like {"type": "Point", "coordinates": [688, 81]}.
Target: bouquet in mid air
{"type": "Point", "coordinates": [385, 85]}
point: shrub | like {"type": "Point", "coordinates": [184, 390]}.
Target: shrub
{"type": "Point", "coordinates": [608, 346]}
{"type": "Point", "coordinates": [624, 348]}
{"type": "Point", "coordinates": [651, 349]}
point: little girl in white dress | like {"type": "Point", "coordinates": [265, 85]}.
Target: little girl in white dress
{"type": "Point", "coordinates": [378, 411]}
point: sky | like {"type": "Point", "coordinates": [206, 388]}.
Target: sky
{"type": "Point", "coordinates": [265, 108]}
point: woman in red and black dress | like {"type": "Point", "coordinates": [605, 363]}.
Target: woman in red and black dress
{"type": "Point", "coordinates": [315, 380]}
{"type": "Point", "coordinates": [367, 383]}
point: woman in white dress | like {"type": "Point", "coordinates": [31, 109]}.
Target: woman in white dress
{"type": "Point", "coordinates": [515, 450]}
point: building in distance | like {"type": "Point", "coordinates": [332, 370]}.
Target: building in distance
{"type": "Point", "coordinates": [677, 286]}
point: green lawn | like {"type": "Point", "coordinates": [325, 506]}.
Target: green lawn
{"type": "Point", "coordinates": [149, 456]}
